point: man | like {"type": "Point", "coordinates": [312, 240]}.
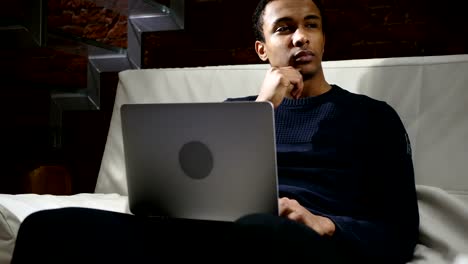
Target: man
{"type": "Point", "coordinates": [345, 173]}
{"type": "Point", "coordinates": [344, 160]}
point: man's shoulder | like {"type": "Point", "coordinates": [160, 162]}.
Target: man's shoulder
{"type": "Point", "coordinates": [249, 98]}
{"type": "Point", "coordinates": [362, 99]}
{"type": "Point", "coordinates": [365, 105]}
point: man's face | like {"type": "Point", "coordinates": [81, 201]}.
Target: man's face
{"type": "Point", "coordinates": [293, 35]}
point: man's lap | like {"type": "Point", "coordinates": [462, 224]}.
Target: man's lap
{"type": "Point", "coordinates": [91, 235]}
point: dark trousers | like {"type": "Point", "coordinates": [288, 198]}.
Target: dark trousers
{"type": "Point", "coordinates": [80, 235]}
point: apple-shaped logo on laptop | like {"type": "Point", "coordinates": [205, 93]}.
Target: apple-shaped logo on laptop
{"type": "Point", "coordinates": [196, 159]}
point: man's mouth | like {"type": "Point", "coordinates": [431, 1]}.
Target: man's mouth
{"type": "Point", "coordinates": [303, 56]}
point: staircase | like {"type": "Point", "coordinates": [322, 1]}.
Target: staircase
{"type": "Point", "coordinates": [104, 63]}
{"type": "Point", "coordinates": [60, 91]}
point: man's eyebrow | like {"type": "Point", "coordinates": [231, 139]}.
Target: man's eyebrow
{"type": "Point", "coordinates": [288, 19]}
{"type": "Point", "coordinates": [281, 20]}
{"type": "Point", "coordinates": [312, 17]}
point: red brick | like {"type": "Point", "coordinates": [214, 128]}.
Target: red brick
{"type": "Point", "coordinates": [73, 30]}
{"type": "Point", "coordinates": [95, 31]}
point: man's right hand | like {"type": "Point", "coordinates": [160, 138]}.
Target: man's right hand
{"type": "Point", "coordinates": [281, 82]}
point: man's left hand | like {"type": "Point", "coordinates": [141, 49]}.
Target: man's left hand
{"type": "Point", "coordinates": [291, 209]}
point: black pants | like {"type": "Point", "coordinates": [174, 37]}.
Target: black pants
{"type": "Point", "coordinates": [79, 235]}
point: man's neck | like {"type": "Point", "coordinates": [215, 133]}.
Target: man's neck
{"type": "Point", "coordinates": [315, 85]}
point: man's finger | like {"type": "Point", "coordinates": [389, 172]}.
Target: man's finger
{"type": "Point", "coordinates": [284, 207]}
{"type": "Point", "coordinates": [295, 78]}
{"type": "Point", "coordinates": [300, 87]}
{"type": "Point", "coordinates": [294, 216]}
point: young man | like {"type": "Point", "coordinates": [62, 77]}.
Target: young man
{"type": "Point", "coordinates": [342, 157]}
{"type": "Point", "coordinates": [345, 173]}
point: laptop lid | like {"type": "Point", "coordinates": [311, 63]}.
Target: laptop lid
{"type": "Point", "coordinates": [211, 161]}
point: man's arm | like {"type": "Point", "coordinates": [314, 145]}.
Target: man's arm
{"type": "Point", "coordinates": [389, 228]}
{"type": "Point", "coordinates": [392, 228]}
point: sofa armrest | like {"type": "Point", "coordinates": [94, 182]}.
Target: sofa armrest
{"type": "Point", "coordinates": [15, 208]}
{"type": "Point", "coordinates": [443, 233]}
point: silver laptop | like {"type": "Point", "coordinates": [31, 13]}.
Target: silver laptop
{"type": "Point", "coordinates": [210, 161]}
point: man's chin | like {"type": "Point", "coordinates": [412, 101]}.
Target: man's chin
{"type": "Point", "coordinates": [307, 70]}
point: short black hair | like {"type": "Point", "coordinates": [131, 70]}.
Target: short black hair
{"type": "Point", "coordinates": [257, 18]}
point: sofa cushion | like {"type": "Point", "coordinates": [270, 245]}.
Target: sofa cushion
{"type": "Point", "coordinates": [15, 208]}
{"type": "Point", "coordinates": [443, 231]}
{"type": "Point", "coordinates": [444, 223]}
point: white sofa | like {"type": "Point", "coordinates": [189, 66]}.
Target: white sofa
{"type": "Point", "coordinates": [429, 93]}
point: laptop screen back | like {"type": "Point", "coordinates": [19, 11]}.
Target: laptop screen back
{"type": "Point", "coordinates": [211, 161]}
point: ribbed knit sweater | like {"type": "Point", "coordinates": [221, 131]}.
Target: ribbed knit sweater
{"type": "Point", "coordinates": [348, 157]}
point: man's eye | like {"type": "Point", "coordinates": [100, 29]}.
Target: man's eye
{"type": "Point", "coordinates": [282, 29]}
{"type": "Point", "coordinates": [314, 25]}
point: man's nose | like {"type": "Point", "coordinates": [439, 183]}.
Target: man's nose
{"type": "Point", "coordinates": [300, 37]}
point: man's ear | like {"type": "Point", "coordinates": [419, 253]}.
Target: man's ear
{"type": "Point", "coordinates": [261, 51]}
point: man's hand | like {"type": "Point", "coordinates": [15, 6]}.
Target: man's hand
{"type": "Point", "coordinates": [291, 209]}
{"type": "Point", "coordinates": [280, 83]}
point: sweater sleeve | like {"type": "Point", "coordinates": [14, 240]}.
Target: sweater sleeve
{"type": "Point", "coordinates": [391, 230]}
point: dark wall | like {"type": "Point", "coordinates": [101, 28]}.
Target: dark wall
{"type": "Point", "coordinates": [385, 28]}
{"type": "Point", "coordinates": [219, 32]}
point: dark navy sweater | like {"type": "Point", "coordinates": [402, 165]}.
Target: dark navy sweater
{"type": "Point", "coordinates": [348, 157]}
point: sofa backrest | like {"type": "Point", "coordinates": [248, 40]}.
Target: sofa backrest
{"type": "Point", "coordinates": [429, 93]}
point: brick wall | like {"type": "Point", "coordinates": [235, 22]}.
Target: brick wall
{"type": "Point", "coordinates": [218, 32]}
{"type": "Point", "coordinates": [103, 21]}
{"type": "Point", "coordinates": [394, 28]}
